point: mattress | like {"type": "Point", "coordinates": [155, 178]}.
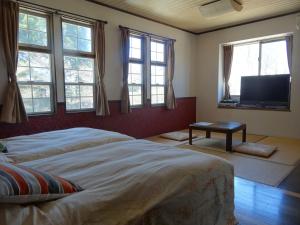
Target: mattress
{"type": "Point", "coordinates": [133, 182]}
{"type": "Point", "coordinates": [42, 145]}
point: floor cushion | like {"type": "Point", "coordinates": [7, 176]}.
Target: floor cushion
{"type": "Point", "coordinates": [177, 135]}
{"type": "Point", "coordinates": [255, 149]}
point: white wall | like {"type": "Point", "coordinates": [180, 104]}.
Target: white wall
{"type": "Point", "coordinates": [184, 47]}
{"type": "Point", "coordinates": [208, 82]}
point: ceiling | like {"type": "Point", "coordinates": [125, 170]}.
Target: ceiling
{"type": "Point", "coordinates": [184, 14]}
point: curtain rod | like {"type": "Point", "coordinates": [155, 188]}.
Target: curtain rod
{"type": "Point", "coordinates": [148, 34]}
{"type": "Point", "coordinates": [60, 11]}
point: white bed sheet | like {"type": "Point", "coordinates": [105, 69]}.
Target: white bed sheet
{"type": "Point", "coordinates": [134, 182]}
{"type": "Point", "coordinates": [31, 147]}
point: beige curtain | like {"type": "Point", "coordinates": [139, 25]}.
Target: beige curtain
{"type": "Point", "coordinates": [125, 102]}
{"type": "Point", "coordinates": [289, 48]}
{"type": "Point", "coordinates": [228, 53]}
{"type": "Point", "coordinates": [171, 100]}
{"type": "Point", "coordinates": [13, 110]}
{"type": "Point", "coordinates": [102, 107]}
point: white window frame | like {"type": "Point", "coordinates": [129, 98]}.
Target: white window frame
{"type": "Point", "coordinates": [81, 54]}
{"type": "Point", "coordinates": [42, 49]}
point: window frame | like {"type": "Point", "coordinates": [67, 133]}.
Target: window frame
{"type": "Point", "coordinates": [42, 49]}
{"type": "Point", "coordinates": [260, 43]}
{"type": "Point", "coordinates": [142, 62]}
{"type": "Point", "coordinates": [158, 63]}
{"type": "Point", "coordinates": [80, 54]}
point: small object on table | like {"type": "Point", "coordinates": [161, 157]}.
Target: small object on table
{"type": "Point", "coordinates": [219, 127]}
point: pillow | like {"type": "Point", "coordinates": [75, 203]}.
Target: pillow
{"type": "Point", "coordinates": [3, 147]}
{"type": "Point", "coordinates": [22, 185]}
{"type": "Point", "coordinates": [177, 136]}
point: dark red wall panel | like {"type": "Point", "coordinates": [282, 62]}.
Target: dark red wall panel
{"type": "Point", "coordinates": [140, 123]}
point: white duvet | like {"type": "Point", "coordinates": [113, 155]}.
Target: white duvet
{"type": "Point", "coordinates": [42, 145]}
{"type": "Point", "coordinates": [134, 182]}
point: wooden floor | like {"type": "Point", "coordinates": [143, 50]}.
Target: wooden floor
{"type": "Point", "coordinates": [258, 204]}
{"type": "Point", "coordinates": [292, 182]}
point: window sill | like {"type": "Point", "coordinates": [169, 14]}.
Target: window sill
{"type": "Point", "coordinates": [262, 108]}
{"type": "Point", "coordinates": [40, 114]}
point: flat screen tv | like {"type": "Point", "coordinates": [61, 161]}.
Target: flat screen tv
{"type": "Point", "coordinates": [264, 91]}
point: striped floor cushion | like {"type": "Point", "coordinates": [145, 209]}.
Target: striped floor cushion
{"type": "Point", "coordinates": [22, 185]}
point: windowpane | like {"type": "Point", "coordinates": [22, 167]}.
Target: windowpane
{"type": "Point", "coordinates": [86, 91]}
{"type": "Point", "coordinates": [157, 51]}
{"type": "Point", "coordinates": [86, 76]}
{"type": "Point", "coordinates": [87, 103]}
{"type": "Point", "coordinates": [23, 20]}
{"type": "Point", "coordinates": [72, 103]}
{"type": "Point", "coordinates": [33, 30]}
{"type": "Point", "coordinates": [26, 91]}
{"type": "Point", "coordinates": [39, 59]}
{"type": "Point", "coordinates": [42, 104]}
{"type": "Point", "coordinates": [157, 94]}
{"type": "Point", "coordinates": [84, 33]}
{"type": "Point", "coordinates": [135, 48]}
{"type": "Point", "coordinates": [77, 37]}
{"type": "Point", "coordinates": [34, 66]}
{"type": "Point", "coordinates": [78, 66]}
{"type": "Point", "coordinates": [135, 94]}
{"type": "Point", "coordinates": [28, 104]}
{"type": "Point", "coordinates": [244, 63]}
{"type": "Point", "coordinates": [41, 91]}
{"type": "Point", "coordinates": [40, 74]}
{"type": "Point", "coordinates": [23, 74]}
{"type": "Point", "coordinates": [274, 58]}
{"type": "Point", "coordinates": [72, 91]}
{"type": "Point", "coordinates": [70, 43]}
{"type": "Point", "coordinates": [135, 73]}
{"type": "Point", "coordinates": [37, 23]}
{"type": "Point", "coordinates": [71, 76]}
{"type": "Point", "coordinates": [158, 75]}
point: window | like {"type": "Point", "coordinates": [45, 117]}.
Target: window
{"type": "Point", "coordinates": [266, 57]}
{"type": "Point", "coordinates": [146, 69]}
{"type": "Point", "coordinates": [135, 70]}
{"type": "Point", "coordinates": [158, 72]}
{"type": "Point", "coordinates": [78, 66]}
{"type": "Point", "coordinates": [34, 71]}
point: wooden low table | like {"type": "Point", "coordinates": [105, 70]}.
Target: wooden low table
{"type": "Point", "coordinates": [219, 127]}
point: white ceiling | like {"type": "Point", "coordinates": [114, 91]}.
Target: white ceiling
{"type": "Point", "coordinates": [185, 14]}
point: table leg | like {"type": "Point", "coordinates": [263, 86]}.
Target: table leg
{"type": "Point", "coordinates": [229, 142]}
{"type": "Point", "coordinates": [190, 136]}
{"type": "Point", "coordinates": [208, 134]}
{"type": "Point", "coordinates": [245, 134]}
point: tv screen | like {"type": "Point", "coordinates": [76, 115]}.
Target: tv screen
{"type": "Point", "coordinates": [265, 90]}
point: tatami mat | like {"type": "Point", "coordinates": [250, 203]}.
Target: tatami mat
{"type": "Point", "coordinates": [270, 171]}
{"type": "Point", "coordinates": [257, 170]}
{"type": "Point", "coordinates": [288, 149]}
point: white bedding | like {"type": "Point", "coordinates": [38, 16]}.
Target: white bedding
{"type": "Point", "coordinates": [134, 182]}
{"type": "Point", "coordinates": [42, 145]}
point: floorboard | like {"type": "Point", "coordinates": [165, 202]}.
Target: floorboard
{"type": "Point", "coordinates": [258, 204]}
{"type": "Point", "coordinates": [292, 181]}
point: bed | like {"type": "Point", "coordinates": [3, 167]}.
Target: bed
{"type": "Point", "coordinates": [131, 182]}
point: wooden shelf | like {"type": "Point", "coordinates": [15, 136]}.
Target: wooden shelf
{"type": "Point", "coordinates": [255, 108]}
